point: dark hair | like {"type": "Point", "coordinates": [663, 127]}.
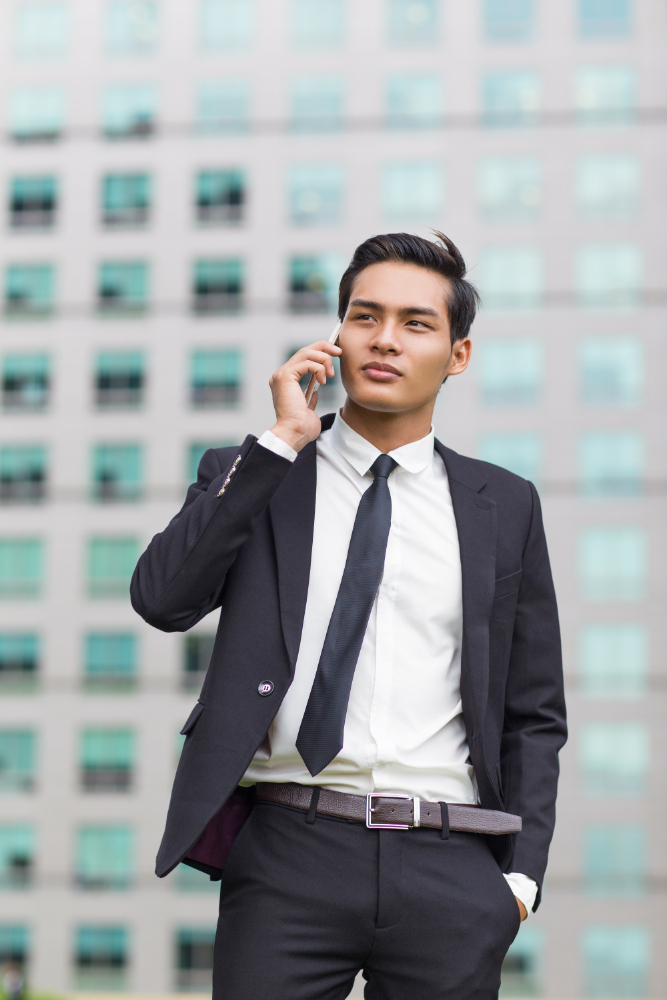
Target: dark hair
{"type": "Point", "coordinates": [442, 258]}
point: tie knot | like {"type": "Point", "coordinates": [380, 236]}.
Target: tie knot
{"type": "Point", "coordinates": [383, 466]}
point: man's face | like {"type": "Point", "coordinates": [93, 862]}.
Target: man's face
{"type": "Point", "coordinates": [396, 338]}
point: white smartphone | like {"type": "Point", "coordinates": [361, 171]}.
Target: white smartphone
{"type": "Point", "coordinates": [313, 383]}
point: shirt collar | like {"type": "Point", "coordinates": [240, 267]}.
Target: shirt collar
{"type": "Point", "coordinates": [361, 454]}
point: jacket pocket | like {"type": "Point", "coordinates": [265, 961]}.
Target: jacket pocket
{"type": "Point", "coordinates": [507, 585]}
{"type": "Point", "coordinates": [192, 718]}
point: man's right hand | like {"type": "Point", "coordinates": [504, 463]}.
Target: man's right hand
{"type": "Point", "coordinates": [296, 421]}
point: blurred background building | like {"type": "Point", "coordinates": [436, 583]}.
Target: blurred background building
{"type": "Point", "coordinates": [182, 184]}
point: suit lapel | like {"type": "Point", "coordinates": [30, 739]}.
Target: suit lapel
{"type": "Point", "coordinates": [476, 523]}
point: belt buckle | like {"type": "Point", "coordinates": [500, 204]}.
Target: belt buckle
{"type": "Point", "coordinates": [373, 825]}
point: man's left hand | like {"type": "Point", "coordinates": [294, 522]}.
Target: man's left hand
{"type": "Point", "coordinates": [522, 909]}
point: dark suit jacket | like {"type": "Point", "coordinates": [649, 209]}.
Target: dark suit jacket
{"type": "Point", "coordinates": [242, 542]}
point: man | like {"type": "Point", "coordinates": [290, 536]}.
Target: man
{"type": "Point", "coordinates": [388, 625]}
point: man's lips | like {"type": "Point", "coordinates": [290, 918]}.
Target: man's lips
{"type": "Point", "coordinates": [381, 372]}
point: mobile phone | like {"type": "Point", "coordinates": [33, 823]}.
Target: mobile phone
{"type": "Point", "coordinates": [313, 383]}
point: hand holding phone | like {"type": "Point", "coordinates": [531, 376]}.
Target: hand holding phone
{"type": "Point", "coordinates": [313, 384]}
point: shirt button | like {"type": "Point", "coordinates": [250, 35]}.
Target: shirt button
{"type": "Point", "coordinates": [265, 688]}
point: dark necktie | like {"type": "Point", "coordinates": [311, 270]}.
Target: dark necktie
{"type": "Point", "coordinates": [320, 736]}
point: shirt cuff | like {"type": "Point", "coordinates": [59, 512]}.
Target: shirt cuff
{"type": "Point", "coordinates": [277, 445]}
{"type": "Point", "coordinates": [524, 888]}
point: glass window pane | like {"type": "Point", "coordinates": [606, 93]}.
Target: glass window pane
{"type": "Point", "coordinates": [509, 20]}
{"type": "Point", "coordinates": [23, 473]}
{"type": "Point", "coordinates": [117, 471]}
{"type": "Point", "coordinates": [604, 19]}
{"type": "Point", "coordinates": [218, 285]}
{"type": "Point", "coordinates": [613, 563]}
{"type": "Point", "coordinates": [25, 381]}
{"type": "Point", "coordinates": [519, 451]}
{"type": "Point", "coordinates": [29, 289]}
{"type": "Point", "coordinates": [413, 23]}
{"type": "Point", "coordinates": [19, 655]}
{"type": "Point", "coordinates": [605, 95]}
{"type": "Point", "coordinates": [607, 186]}
{"type": "Point", "coordinates": [615, 860]}
{"type": "Point", "coordinates": [106, 759]}
{"type": "Point", "coordinates": [612, 371]}
{"type": "Point", "coordinates": [313, 283]}
{"type": "Point", "coordinates": [104, 856]}
{"type": "Point", "coordinates": [111, 562]}
{"type": "Point", "coordinates": [220, 196]}
{"type": "Point", "coordinates": [189, 879]}
{"type": "Point", "coordinates": [413, 191]}
{"type": "Point", "coordinates": [216, 378]}
{"type": "Point", "coordinates": [131, 26]}
{"type": "Point", "coordinates": [14, 944]}
{"type": "Point", "coordinates": [128, 110]}
{"type": "Point", "coordinates": [17, 760]}
{"type": "Point", "coordinates": [122, 286]}
{"type": "Point", "coordinates": [36, 113]}
{"type": "Point", "coordinates": [194, 958]}
{"type": "Point", "coordinates": [195, 453]}
{"type": "Point", "coordinates": [615, 758]}
{"type": "Point", "coordinates": [616, 961]}
{"type": "Point", "coordinates": [510, 372]}
{"type": "Point", "coordinates": [101, 957]}
{"type": "Point", "coordinates": [21, 565]}
{"type": "Point", "coordinates": [315, 194]}
{"type": "Point", "coordinates": [510, 97]}
{"type": "Point", "coordinates": [414, 100]}
{"type": "Point", "coordinates": [317, 24]}
{"type": "Point", "coordinates": [611, 463]}
{"type": "Point", "coordinates": [521, 970]}
{"type": "Point", "coordinates": [509, 187]}
{"type": "Point", "coordinates": [119, 379]}
{"type": "Point", "coordinates": [41, 29]}
{"type": "Point", "coordinates": [110, 661]}
{"type": "Point", "coordinates": [614, 660]}
{"type": "Point", "coordinates": [511, 277]}
{"type": "Point", "coordinates": [33, 201]}
{"type": "Point", "coordinates": [223, 105]}
{"type": "Point", "coordinates": [17, 855]}
{"type": "Point", "coordinates": [226, 24]}
{"type": "Point", "coordinates": [126, 199]}
{"type": "Point", "coordinates": [198, 649]}
{"type": "Point", "coordinates": [609, 274]}
{"type": "Point", "coordinates": [316, 103]}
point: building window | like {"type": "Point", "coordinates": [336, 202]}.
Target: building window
{"type": "Point", "coordinates": [613, 563]}
{"type": "Point", "coordinates": [609, 274]}
{"type": "Point", "coordinates": [122, 287]}
{"type": "Point", "coordinates": [615, 860]}
{"type": "Point", "coordinates": [111, 562]}
{"type": "Point", "coordinates": [327, 393]}
{"type": "Point", "coordinates": [36, 114]}
{"type": "Point", "coordinates": [194, 958]}
{"type": "Point", "coordinates": [604, 19]}
{"type": "Point", "coordinates": [217, 285]}
{"type": "Point", "coordinates": [192, 880]}
{"type": "Point", "coordinates": [17, 760]}
{"type": "Point", "coordinates": [195, 453]}
{"type": "Point", "coordinates": [104, 857]}
{"type": "Point", "coordinates": [511, 277]}
{"type": "Point", "coordinates": [520, 974]}
{"type": "Point", "coordinates": [225, 25]}
{"type": "Point", "coordinates": [317, 24]}
{"type": "Point", "coordinates": [616, 961]}
{"type": "Point", "coordinates": [315, 194]}
{"type": "Point", "coordinates": [611, 371]}
{"type": "Point", "coordinates": [414, 100]}
{"type": "Point", "coordinates": [117, 472]}
{"type": "Point", "coordinates": [509, 188]}
{"type": "Point", "coordinates": [611, 463]}
{"type": "Point", "coordinates": [131, 27]}
{"type": "Point", "coordinates": [119, 380]}
{"type": "Point", "coordinates": [126, 199]}
{"type": "Point", "coordinates": [19, 659]}
{"type": "Point", "coordinates": [615, 758]}
{"type": "Point", "coordinates": [413, 191]}
{"type": "Point", "coordinates": [32, 202]}
{"type": "Point", "coordinates": [413, 23]}
{"type": "Point", "coordinates": [107, 760]}
{"type": "Point", "coordinates": [220, 196]}
{"type": "Point", "coordinates": [197, 652]}
{"type": "Point", "coordinates": [41, 29]}
{"type": "Point", "coordinates": [316, 103]}
{"type": "Point", "coordinates": [100, 958]}
{"type": "Point", "coordinates": [128, 110]}
{"type": "Point", "coordinates": [518, 451]}
{"type": "Point", "coordinates": [14, 949]}
{"type": "Point", "coordinates": [25, 382]}
{"type": "Point", "coordinates": [110, 661]}
{"type": "Point", "coordinates": [21, 562]}
{"type": "Point", "coordinates": [22, 473]}
{"type": "Point", "coordinates": [607, 186]}
{"type": "Point", "coordinates": [313, 284]}
{"type": "Point", "coordinates": [17, 849]}
{"type": "Point", "coordinates": [510, 372]}
{"type": "Point", "coordinates": [223, 105]}
{"type": "Point", "coordinates": [510, 97]}
{"type": "Point", "coordinates": [613, 660]}
{"type": "Point", "coordinates": [509, 20]}
{"type": "Point", "coordinates": [605, 95]}
{"type": "Point", "coordinates": [29, 290]}
{"type": "Point", "coordinates": [215, 378]}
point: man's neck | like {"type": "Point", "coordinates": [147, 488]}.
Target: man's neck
{"type": "Point", "coordinates": [388, 431]}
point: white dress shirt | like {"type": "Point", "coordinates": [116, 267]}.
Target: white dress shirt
{"type": "Point", "coordinates": [404, 728]}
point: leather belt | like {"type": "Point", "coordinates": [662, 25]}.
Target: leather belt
{"type": "Point", "coordinates": [390, 810]}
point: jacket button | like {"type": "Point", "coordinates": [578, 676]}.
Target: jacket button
{"type": "Point", "coordinates": [265, 688]}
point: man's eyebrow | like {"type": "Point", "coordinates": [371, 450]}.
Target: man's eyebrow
{"type": "Point", "coordinates": [406, 311]}
{"type": "Point", "coordinates": [367, 304]}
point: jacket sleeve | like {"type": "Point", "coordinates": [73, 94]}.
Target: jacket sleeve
{"type": "Point", "coordinates": [180, 577]}
{"type": "Point", "coordinates": [535, 727]}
